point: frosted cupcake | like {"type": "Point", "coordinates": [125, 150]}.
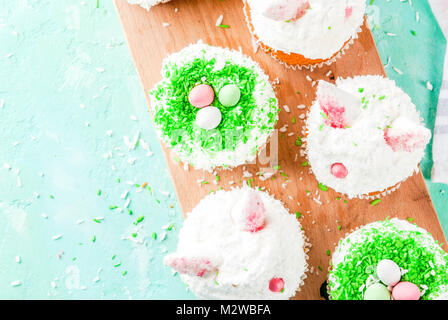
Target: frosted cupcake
{"type": "Point", "coordinates": [386, 260]}
{"type": "Point", "coordinates": [147, 4]}
{"type": "Point", "coordinates": [364, 136]}
{"type": "Point", "coordinates": [241, 244]}
{"type": "Point", "coordinates": [305, 33]}
{"type": "Point", "coordinates": [214, 107]}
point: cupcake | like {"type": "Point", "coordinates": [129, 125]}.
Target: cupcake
{"type": "Point", "coordinates": [214, 107]}
{"type": "Point", "coordinates": [364, 136]}
{"type": "Point", "coordinates": [391, 259]}
{"type": "Point", "coordinates": [305, 33]}
{"type": "Point", "coordinates": [240, 244]}
{"type": "Point", "coordinates": [147, 4]}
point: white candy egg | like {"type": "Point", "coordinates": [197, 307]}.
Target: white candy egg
{"type": "Point", "coordinates": [208, 118]}
{"type": "Point", "coordinates": [388, 272]}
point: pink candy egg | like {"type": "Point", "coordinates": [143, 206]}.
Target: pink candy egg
{"type": "Point", "coordinates": [339, 170]}
{"type": "Point", "coordinates": [201, 96]}
{"type": "Point", "coordinates": [406, 291]}
{"type": "Point", "coordinates": [276, 285]}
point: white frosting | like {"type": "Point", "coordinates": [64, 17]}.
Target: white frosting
{"type": "Point", "coordinates": [263, 93]}
{"type": "Point", "coordinates": [319, 34]}
{"type": "Point", "coordinates": [371, 163]}
{"type": "Point", "coordinates": [147, 4]}
{"type": "Point", "coordinates": [247, 261]}
{"type": "Point", "coordinates": [359, 236]}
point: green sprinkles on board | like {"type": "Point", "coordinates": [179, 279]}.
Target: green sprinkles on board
{"type": "Point", "coordinates": [386, 241]}
{"type": "Point", "coordinates": [173, 113]}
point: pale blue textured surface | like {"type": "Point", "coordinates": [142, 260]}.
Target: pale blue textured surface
{"type": "Point", "coordinates": [58, 55]}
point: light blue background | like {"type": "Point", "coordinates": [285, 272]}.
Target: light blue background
{"type": "Point", "coordinates": [57, 56]}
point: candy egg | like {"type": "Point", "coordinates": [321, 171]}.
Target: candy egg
{"type": "Point", "coordinates": [339, 170]}
{"type": "Point", "coordinates": [229, 95]}
{"type": "Point", "coordinates": [388, 272]}
{"type": "Point", "coordinates": [377, 291]}
{"type": "Point", "coordinates": [276, 285]}
{"type": "Point", "coordinates": [208, 118]}
{"type": "Point", "coordinates": [406, 291]}
{"type": "Point", "coordinates": [201, 96]}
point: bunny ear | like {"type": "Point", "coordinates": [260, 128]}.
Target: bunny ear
{"type": "Point", "coordinates": [190, 265]}
{"type": "Point", "coordinates": [404, 135]}
{"type": "Point", "coordinates": [348, 12]}
{"type": "Point", "coordinates": [249, 213]}
{"type": "Point", "coordinates": [340, 107]}
{"type": "Point", "coordinates": [286, 10]}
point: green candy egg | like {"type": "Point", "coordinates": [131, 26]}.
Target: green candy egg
{"type": "Point", "coordinates": [229, 95]}
{"type": "Point", "coordinates": [377, 291]}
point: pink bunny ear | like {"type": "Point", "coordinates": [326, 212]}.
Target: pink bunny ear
{"type": "Point", "coordinates": [404, 135]}
{"type": "Point", "coordinates": [348, 12]}
{"type": "Point", "coordinates": [340, 107]}
{"type": "Point", "coordinates": [190, 265]}
{"type": "Point", "coordinates": [249, 213]}
{"type": "Point", "coordinates": [286, 10]}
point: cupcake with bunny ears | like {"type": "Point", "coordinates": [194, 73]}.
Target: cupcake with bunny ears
{"type": "Point", "coordinates": [364, 136]}
{"type": "Point", "coordinates": [241, 244]}
{"type": "Point", "coordinates": [305, 33]}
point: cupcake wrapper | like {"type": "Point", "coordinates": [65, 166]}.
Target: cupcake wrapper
{"type": "Point", "coordinates": [258, 43]}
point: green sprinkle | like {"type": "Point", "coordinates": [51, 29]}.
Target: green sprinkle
{"type": "Point", "coordinates": [154, 236]}
{"type": "Point", "coordinates": [139, 219]}
{"type": "Point", "coordinates": [224, 26]}
{"type": "Point", "coordinates": [328, 252]}
{"type": "Point", "coordinates": [323, 187]}
{"type": "Point", "coordinates": [375, 202]}
{"type": "Point", "coordinates": [98, 192]}
{"type": "Point", "coordinates": [298, 215]}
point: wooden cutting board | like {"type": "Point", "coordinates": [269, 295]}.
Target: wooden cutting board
{"type": "Point", "coordinates": [150, 40]}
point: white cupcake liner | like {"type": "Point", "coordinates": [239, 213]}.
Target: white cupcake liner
{"type": "Point", "coordinates": [256, 42]}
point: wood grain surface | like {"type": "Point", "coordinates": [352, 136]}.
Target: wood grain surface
{"type": "Point", "coordinates": [149, 42]}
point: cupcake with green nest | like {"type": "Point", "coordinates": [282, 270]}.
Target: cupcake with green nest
{"type": "Point", "coordinates": [214, 107]}
{"type": "Point", "coordinates": [388, 260]}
